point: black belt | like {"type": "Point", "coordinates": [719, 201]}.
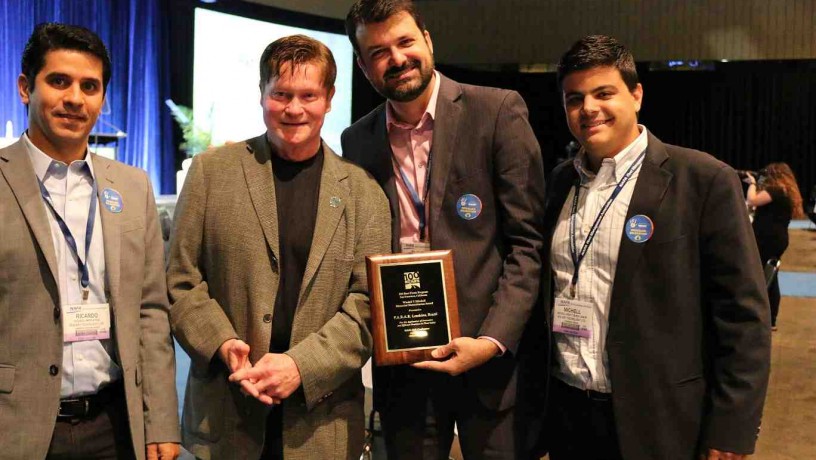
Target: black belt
{"type": "Point", "coordinates": [590, 395]}
{"type": "Point", "coordinates": [87, 406]}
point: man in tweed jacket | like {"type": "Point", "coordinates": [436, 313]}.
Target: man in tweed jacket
{"type": "Point", "coordinates": [267, 277]}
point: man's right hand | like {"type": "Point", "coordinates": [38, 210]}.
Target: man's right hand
{"type": "Point", "coordinates": [235, 354]}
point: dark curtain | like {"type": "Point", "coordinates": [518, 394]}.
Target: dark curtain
{"type": "Point", "coordinates": [133, 32]}
{"type": "Point", "coordinates": [747, 114]}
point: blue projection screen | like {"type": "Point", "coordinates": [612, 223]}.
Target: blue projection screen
{"type": "Point", "coordinates": [226, 97]}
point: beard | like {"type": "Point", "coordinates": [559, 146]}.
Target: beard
{"type": "Point", "coordinates": [408, 90]}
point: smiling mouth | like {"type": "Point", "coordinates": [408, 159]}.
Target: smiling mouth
{"type": "Point", "coordinates": [397, 74]}
{"type": "Point", "coordinates": [71, 117]}
{"type": "Point", "coordinates": [595, 123]}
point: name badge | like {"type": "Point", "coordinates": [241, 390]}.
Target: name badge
{"type": "Point", "coordinates": [572, 317]}
{"type": "Point", "coordinates": [413, 247]}
{"type": "Point", "coordinates": [86, 322]}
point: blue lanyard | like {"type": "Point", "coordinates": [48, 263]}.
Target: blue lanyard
{"type": "Point", "coordinates": [577, 257]}
{"type": "Point", "coordinates": [419, 203]}
{"type": "Point", "coordinates": [69, 238]}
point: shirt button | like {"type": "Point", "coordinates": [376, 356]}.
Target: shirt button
{"type": "Point", "coordinates": [73, 278]}
{"type": "Point", "coordinates": [53, 370]}
{"type": "Point", "coordinates": [421, 165]}
{"type": "Point", "coordinates": [267, 318]}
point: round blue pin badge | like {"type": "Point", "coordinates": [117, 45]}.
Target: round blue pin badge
{"type": "Point", "coordinates": [639, 228]}
{"type": "Point", "coordinates": [468, 206]}
{"type": "Point", "coordinates": [112, 200]}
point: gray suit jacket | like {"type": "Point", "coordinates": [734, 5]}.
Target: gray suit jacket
{"type": "Point", "coordinates": [689, 330]}
{"type": "Point", "coordinates": [30, 327]}
{"type": "Point", "coordinates": [223, 280]}
{"type": "Point", "coordinates": [482, 145]}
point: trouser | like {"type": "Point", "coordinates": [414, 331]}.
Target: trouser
{"type": "Point", "coordinates": [102, 431]}
{"type": "Point", "coordinates": [582, 424]}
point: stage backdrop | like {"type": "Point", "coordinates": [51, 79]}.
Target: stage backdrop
{"type": "Point", "coordinates": [132, 31]}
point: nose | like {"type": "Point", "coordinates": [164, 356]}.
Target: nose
{"type": "Point", "coordinates": [72, 96]}
{"type": "Point", "coordinates": [397, 57]}
{"type": "Point", "coordinates": [590, 105]}
{"type": "Point", "coordinates": [294, 107]}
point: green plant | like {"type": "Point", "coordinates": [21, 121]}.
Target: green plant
{"type": "Point", "coordinates": [196, 140]}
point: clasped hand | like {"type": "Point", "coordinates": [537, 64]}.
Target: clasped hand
{"type": "Point", "coordinates": [271, 380]}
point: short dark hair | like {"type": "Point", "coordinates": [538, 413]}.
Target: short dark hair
{"type": "Point", "coordinates": [598, 51]}
{"type": "Point", "coordinates": [297, 50]}
{"type": "Point", "coordinates": [52, 36]}
{"type": "Point", "coordinates": [372, 11]}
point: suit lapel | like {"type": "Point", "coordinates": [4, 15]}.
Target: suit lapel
{"type": "Point", "coordinates": [111, 231]}
{"type": "Point", "coordinates": [331, 203]}
{"type": "Point", "coordinates": [562, 183]}
{"type": "Point", "coordinates": [445, 133]}
{"type": "Point", "coordinates": [650, 188]}
{"type": "Point", "coordinates": [16, 168]}
{"type": "Point", "coordinates": [261, 185]}
{"type": "Point", "coordinates": [383, 171]}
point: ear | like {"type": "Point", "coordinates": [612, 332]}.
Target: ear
{"type": "Point", "coordinates": [637, 94]}
{"type": "Point", "coordinates": [362, 67]}
{"type": "Point", "coordinates": [329, 99]}
{"type": "Point", "coordinates": [428, 40]}
{"type": "Point", "coordinates": [22, 89]}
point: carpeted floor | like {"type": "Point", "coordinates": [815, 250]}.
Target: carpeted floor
{"type": "Point", "coordinates": [801, 253]}
{"type": "Point", "coordinates": [789, 423]}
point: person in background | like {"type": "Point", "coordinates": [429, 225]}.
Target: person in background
{"type": "Point", "coordinates": [777, 201]}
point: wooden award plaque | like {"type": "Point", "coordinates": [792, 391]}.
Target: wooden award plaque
{"type": "Point", "coordinates": [413, 305]}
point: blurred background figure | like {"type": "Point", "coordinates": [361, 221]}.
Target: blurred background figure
{"type": "Point", "coordinates": [777, 201]}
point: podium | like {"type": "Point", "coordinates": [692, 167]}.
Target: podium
{"type": "Point", "coordinates": [105, 144]}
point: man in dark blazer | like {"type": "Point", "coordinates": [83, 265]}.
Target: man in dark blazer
{"type": "Point", "coordinates": [477, 146]}
{"type": "Point", "coordinates": [662, 339]}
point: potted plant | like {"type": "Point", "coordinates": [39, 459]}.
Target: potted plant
{"type": "Point", "coordinates": [196, 139]}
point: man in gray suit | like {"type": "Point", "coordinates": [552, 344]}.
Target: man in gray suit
{"type": "Point", "coordinates": [267, 277]}
{"type": "Point", "coordinates": [86, 361]}
{"type": "Point", "coordinates": [463, 171]}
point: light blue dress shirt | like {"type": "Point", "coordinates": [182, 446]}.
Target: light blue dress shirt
{"type": "Point", "coordinates": [87, 366]}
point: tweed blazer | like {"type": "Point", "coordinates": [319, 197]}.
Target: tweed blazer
{"type": "Point", "coordinates": [223, 279]}
{"type": "Point", "coordinates": [31, 339]}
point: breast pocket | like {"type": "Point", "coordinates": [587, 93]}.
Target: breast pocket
{"type": "Point", "coordinates": [7, 378]}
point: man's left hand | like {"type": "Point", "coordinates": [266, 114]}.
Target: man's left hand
{"type": "Point", "coordinates": [275, 377]}
{"type": "Point", "coordinates": [162, 451]}
{"type": "Point", "coordinates": [714, 454]}
{"type": "Point", "coordinates": [465, 353]}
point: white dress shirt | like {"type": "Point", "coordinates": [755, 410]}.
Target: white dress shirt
{"type": "Point", "coordinates": [87, 365]}
{"type": "Point", "coordinates": [583, 362]}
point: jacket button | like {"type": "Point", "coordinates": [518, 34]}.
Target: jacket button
{"type": "Point", "coordinates": [53, 370]}
{"type": "Point", "coordinates": [267, 318]}
{"type": "Point", "coordinates": [56, 312]}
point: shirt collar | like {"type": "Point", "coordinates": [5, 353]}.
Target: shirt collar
{"type": "Point", "coordinates": [430, 110]}
{"type": "Point", "coordinates": [44, 165]}
{"type": "Point", "coordinates": [621, 161]}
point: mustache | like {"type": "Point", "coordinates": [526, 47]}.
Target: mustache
{"type": "Point", "coordinates": [408, 65]}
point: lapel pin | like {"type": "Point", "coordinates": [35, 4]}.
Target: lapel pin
{"type": "Point", "coordinates": [334, 202]}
